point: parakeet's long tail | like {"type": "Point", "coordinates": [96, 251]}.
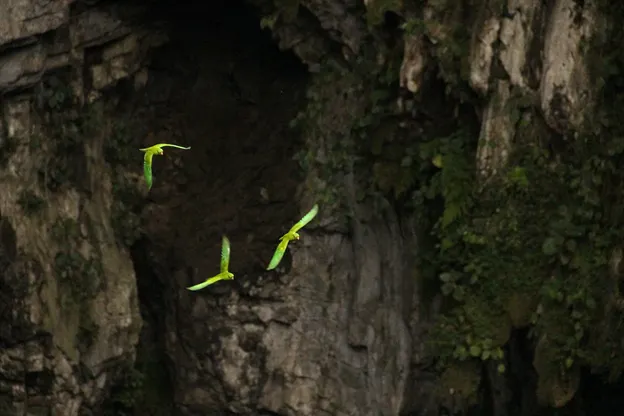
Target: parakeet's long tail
{"type": "Point", "coordinates": [279, 253]}
{"type": "Point", "coordinates": [225, 254]}
{"type": "Point", "coordinates": [147, 172]}
{"type": "Point", "coordinates": [208, 282]}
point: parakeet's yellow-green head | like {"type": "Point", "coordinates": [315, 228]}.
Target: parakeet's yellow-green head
{"type": "Point", "coordinates": [290, 236]}
{"type": "Point", "coordinates": [161, 152]}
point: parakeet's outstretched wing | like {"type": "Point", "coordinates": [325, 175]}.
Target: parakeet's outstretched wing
{"type": "Point", "coordinates": [306, 219]}
{"type": "Point", "coordinates": [207, 282]}
{"type": "Point", "coordinates": [173, 145]}
{"type": "Point", "coordinates": [147, 169]}
{"type": "Point", "coordinates": [225, 254]}
{"type": "Point", "coordinates": [159, 145]}
{"type": "Point", "coordinates": [279, 253]}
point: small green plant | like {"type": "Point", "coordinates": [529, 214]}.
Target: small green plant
{"type": "Point", "coordinates": [68, 264]}
{"type": "Point", "coordinates": [54, 92]}
{"type": "Point", "coordinates": [376, 10]}
{"type": "Point", "coordinates": [268, 22]}
{"type": "Point", "coordinates": [125, 218]}
{"type": "Point", "coordinates": [67, 129]}
{"type": "Point", "coordinates": [65, 231]}
{"type": "Point", "coordinates": [119, 148]}
{"type": "Point", "coordinates": [56, 98]}
{"type": "Point", "coordinates": [413, 26]}
{"type": "Point", "coordinates": [30, 202]}
{"type": "Point", "coordinates": [126, 393]}
{"type": "Point", "coordinates": [337, 129]}
{"type": "Point", "coordinates": [127, 225]}
{"type": "Point", "coordinates": [87, 331]}
{"type": "Point", "coordinates": [80, 276]}
{"type": "Point", "coordinates": [530, 249]}
{"type": "Point", "coordinates": [533, 248]}
{"type": "Point", "coordinates": [328, 159]}
{"type": "Point", "coordinates": [8, 147]}
{"type": "Point", "coordinates": [66, 164]}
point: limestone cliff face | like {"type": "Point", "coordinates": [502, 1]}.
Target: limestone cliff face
{"type": "Point", "coordinates": [70, 316]}
{"type": "Point", "coordinates": [340, 327]}
{"type": "Point", "coordinates": [517, 63]}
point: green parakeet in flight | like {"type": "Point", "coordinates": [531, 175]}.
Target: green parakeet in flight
{"type": "Point", "coordinates": [149, 154]}
{"type": "Point", "coordinates": [224, 274]}
{"type": "Point", "coordinates": [291, 235]}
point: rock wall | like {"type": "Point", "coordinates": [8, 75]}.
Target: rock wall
{"type": "Point", "coordinates": [524, 50]}
{"type": "Point", "coordinates": [340, 328]}
{"type": "Point", "coordinates": [70, 316]}
{"type": "Point", "coordinates": [527, 71]}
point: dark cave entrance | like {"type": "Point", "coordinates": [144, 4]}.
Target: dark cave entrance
{"type": "Point", "coordinates": [221, 86]}
{"type": "Point", "coordinates": [595, 395]}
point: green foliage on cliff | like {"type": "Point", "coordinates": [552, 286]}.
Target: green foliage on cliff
{"type": "Point", "coordinates": [30, 202]}
{"type": "Point", "coordinates": [80, 275]}
{"type": "Point", "coordinates": [8, 146]}
{"type": "Point", "coordinates": [538, 246]}
{"type": "Point", "coordinates": [141, 389]}
{"type": "Point", "coordinates": [339, 129]}
{"type": "Point", "coordinates": [75, 137]}
{"type": "Point", "coordinates": [121, 154]}
{"type": "Point", "coordinates": [125, 211]}
{"type": "Point", "coordinates": [533, 249]}
{"type": "Point", "coordinates": [376, 10]}
{"type": "Point", "coordinates": [126, 393]}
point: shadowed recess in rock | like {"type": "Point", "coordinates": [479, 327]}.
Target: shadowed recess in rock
{"type": "Point", "coordinates": [221, 86]}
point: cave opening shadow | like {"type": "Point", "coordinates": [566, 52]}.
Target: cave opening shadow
{"type": "Point", "coordinates": [599, 397]}
{"type": "Point", "coordinates": [234, 93]}
{"type": "Point", "coordinates": [152, 361]}
{"type": "Point", "coordinates": [594, 397]}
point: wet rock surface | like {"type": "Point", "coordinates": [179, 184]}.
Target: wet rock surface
{"type": "Point", "coordinates": [339, 327]}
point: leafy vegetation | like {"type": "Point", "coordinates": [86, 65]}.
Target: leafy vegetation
{"type": "Point", "coordinates": [125, 211]}
{"type": "Point", "coordinates": [274, 10]}
{"type": "Point", "coordinates": [376, 10]}
{"type": "Point", "coordinates": [538, 246]}
{"type": "Point", "coordinates": [119, 148]}
{"type": "Point", "coordinates": [68, 130]}
{"type": "Point", "coordinates": [65, 231]}
{"type": "Point", "coordinates": [329, 158]}
{"type": "Point", "coordinates": [65, 129]}
{"type": "Point", "coordinates": [339, 128]}
{"type": "Point", "coordinates": [8, 146]}
{"type": "Point", "coordinates": [30, 202]}
{"type": "Point", "coordinates": [127, 200]}
{"type": "Point", "coordinates": [120, 153]}
{"type": "Point", "coordinates": [81, 276]}
{"type": "Point", "coordinates": [533, 248]}
{"type": "Point", "coordinates": [141, 389]}
{"type": "Point", "coordinates": [126, 394]}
